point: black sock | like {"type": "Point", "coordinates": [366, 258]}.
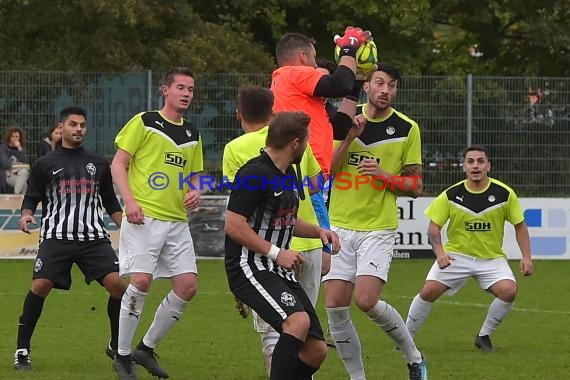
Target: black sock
{"type": "Point", "coordinates": [284, 358]}
{"type": "Point", "coordinates": [33, 306]}
{"type": "Point", "coordinates": [113, 310]}
{"type": "Point", "coordinates": [304, 371]}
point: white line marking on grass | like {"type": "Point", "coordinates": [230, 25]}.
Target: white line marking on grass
{"type": "Point", "coordinates": [486, 306]}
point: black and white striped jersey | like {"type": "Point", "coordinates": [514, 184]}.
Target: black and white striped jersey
{"type": "Point", "coordinates": [73, 185]}
{"type": "Point", "coordinates": [269, 199]}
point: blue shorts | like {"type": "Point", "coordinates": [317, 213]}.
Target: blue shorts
{"type": "Point", "coordinates": [320, 208]}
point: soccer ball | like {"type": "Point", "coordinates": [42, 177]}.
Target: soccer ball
{"type": "Point", "coordinates": [366, 56]}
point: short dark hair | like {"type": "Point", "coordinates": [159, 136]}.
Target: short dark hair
{"type": "Point", "coordinates": [255, 104]}
{"type": "Point", "coordinates": [168, 77]}
{"type": "Point", "coordinates": [51, 129]}
{"type": "Point", "coordinates": [287, 126]}
{"type": "Point", "coordinates": [326, 64]}
{"type": "Point", "coordinates": [289, 44]}
{"type": "Point", "coordinates": [393, 72]}
{"type": "Point", "coordinates": [477, 148]}
{"type": "Point", "coordinates": [11, 130]}
{"type": "Point", "coordinates": [71, 110]}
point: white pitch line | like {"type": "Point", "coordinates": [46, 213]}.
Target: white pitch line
{"type": "Point", "coordinates": [486, 306]}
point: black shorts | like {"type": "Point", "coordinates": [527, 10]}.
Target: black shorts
{"type": "Point", "coordinates": [274, 298]}
{"type": "Point", "coordinates": [55, 257]}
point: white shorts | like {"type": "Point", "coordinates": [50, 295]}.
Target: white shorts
{"type": "Point", "coordinates": [309, 275]}
{"type": "Point", "coordinates": [485, 271]}
{"type": "Point", "coordinates": [362, 253]}
{"type": "Point", "coordinates": [161, 248]}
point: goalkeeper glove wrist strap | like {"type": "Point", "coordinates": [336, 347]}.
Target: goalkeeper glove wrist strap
{"type": "Point", "coordinates": [348, 50]}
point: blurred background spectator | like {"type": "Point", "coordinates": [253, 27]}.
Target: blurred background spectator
{"type": "Point", "coordinates": [51, 142]}
{"type": "Point", "coordinates": [14, 159]}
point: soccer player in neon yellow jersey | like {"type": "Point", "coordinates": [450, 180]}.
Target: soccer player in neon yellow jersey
{"type": "Point", "coordinates": [383, 143]}
{"type": "Point", "coordinates": [154, 149]}
{"type": "Point", "coordinates": [255, 105]}
{"type": "Point", "coordinates": [476, 209]}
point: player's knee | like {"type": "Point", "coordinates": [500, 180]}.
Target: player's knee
{"type": "Point", "coordinates": [142, 283]}
{"type": "Point", "coordinates": [365, 301]}
{"type": "Point", "coordinates": [187, 291]}
{"type": "Point", "coordinates": [41, 287]}
{"type": "Point", "coordinates": [509, 293]}
{"type": "Point", "coordinates": [431, 291]}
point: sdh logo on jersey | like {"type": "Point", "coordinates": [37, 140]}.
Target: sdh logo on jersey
{"type": "Point", "coordinates": [355, 158]}
{"type": "Point", "coordinates": [174, 158]}
{"type": "Point", "coordinates": [477, 225]}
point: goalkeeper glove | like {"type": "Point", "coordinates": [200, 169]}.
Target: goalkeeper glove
{"type": "Point", "coordinates": [351, 40]}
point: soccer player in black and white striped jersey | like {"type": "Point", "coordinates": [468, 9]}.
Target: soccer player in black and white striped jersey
{"type": "Point", "coordinates": [261, 219]}
{"type": "Point", "coordinates": [74, 187]}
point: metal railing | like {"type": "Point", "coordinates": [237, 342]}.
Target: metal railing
{"type": "Point", "coordinates": [524, 122]}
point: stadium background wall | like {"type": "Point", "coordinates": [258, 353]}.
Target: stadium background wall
{"type": "Point", "coordinates": [548, 226]}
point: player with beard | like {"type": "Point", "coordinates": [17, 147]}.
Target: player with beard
{"type": "Point", "coordinates": [260, 222]}
{"type": "Point", "coordinates": [477, 209]}
{"type": "Point", "coordinates": [73, 185]}
{"type": "Point", "coordinates": [383, 146]}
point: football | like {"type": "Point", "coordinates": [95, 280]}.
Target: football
{"type": "Point", "coordinates": [366, 56]}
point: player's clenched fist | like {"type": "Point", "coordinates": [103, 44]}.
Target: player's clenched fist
{"type": "Point", "coordinates": [290, 260]}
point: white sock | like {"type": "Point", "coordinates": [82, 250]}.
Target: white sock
{"type": "Point", "coordinates": [389, 320]}
{"type": "Point", "coordinates": [497, 312]}
{"type": "Point", "coordinates": [268, 341]}
{"type": "Point", "coordinates": [132, 305]}
{"type": "Point", "coordinates": [167, 314]}
{"type": "Point", "coordinates": [417, 315]}
{"type": "Point", "coordinates": [346, 341]}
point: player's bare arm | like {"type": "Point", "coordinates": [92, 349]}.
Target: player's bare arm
{"type": "Point", "coordinates": [523, 240]}
{"type": "Point", "coordinates": [119, 171]}
{"type": "Point", "coordinates": [434, 234]}
{"type": "Point", "coordinates": [412, 185]}
{"type": "Point", "coordinates": [239, 231]}
{"type": "Point", "coordinates": [192, 197]}
{"type": "Point", "coordinates": [117, 217]}
{"type": "Point", "coordinates": [309, 230]}
{"type": "Point", "coordinates": [27, 217]}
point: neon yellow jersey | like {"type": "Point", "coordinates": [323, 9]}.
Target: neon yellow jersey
{"type": "Point", "coordinates": [476, 219]}
{"type": "Point", "coordinates": [242, 149]}
{"type": "Point", "coordinates": [158, 145]}
{"type": "Point", "coordinates": [245, 147]}
{"type": "Point", "coordinates": [394, 142]}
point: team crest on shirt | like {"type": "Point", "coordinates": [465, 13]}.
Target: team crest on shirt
{"type": "Point", "coordinates": [91, 169]}
{"type": "Point", "coordinates": [188, 133]}
{"type": "Point", "coordinates": [287, 299]}
{"type": "Point", "coordinates": [390, 130]}
{"type": "Point", "coordinates": [491, 198]}
{"type": "Point", "coordinates": [38, 265]}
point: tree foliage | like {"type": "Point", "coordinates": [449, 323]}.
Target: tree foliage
{"type": "Point", "coordinates": [435, 37]}
{"type": "Point", "coordinates": [121, 35]}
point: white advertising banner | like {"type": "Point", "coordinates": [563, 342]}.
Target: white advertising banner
{"type": "Point", "coordinates": [547, 218]}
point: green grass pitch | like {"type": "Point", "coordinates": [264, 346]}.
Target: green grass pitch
{"type": "Point", "coordinates": [212, 342]}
